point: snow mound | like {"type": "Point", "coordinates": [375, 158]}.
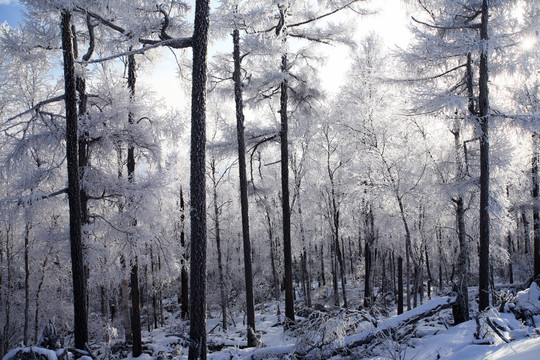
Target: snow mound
{"type": "Point", "coordinates": [30, 353]}
{"type": "Point", "coordinates": [529, 299]}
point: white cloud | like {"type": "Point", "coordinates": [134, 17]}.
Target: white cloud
{"type": "Point", "coordinates": [9, 2]}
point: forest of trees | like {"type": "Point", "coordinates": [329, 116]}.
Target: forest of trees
{"type": "Point", "coordinates": [416, 176]}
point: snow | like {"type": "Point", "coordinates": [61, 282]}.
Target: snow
{"type": "Point", "coordinates": [406, 316]}
{"type": "Point", "coordinates": [431, 338]}
{"type": "Point", "coordinates": [529, 299]}
{"type": "Point", "coordinates": [49, 354]}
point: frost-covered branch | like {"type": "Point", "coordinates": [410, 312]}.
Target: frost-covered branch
{"type": "Point", "coordinates": [37, 106]}
{"type": "Point", "coordinates": [179, 43]}
{"type": "Point", "coordinates": [457, 27]}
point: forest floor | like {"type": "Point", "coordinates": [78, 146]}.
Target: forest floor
{"type": "Point", "coordinates": [337, 334]}
{"type": "Point", "coordinates": [426, 332]}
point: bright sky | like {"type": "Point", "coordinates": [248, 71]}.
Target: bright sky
{"type": "Point", "coordinates": [10, 12]}
{"type": "Point", "coordinates": [390, 23]}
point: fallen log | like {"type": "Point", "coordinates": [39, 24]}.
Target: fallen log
{"type": "Point", "coordinates": [390, 326]}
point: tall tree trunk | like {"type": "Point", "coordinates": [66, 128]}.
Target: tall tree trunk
{"type": "Point", "coordinates": [26, 328]}
{"type": "Point", "coordinates": [287, 250]}
{"type": "Point", "coordinates": [124, 285]}
{"type": "Point", "coordinates": [75, 221]}
{"type": "Point", "coordinates": [273, 254]}
{"type": "Point", "coordinates": [218, 248]}
{"type": "Point", "coordinates": [323, 277]}
{"type": "Point", "coordinates": [134, 279]}
{"type": "Point", "coordinates": [248, 272]}
{"type": "Point", "coordinates": [351, 255]}
{"type": "Point", "coordinates": [154, 290]}
{"type": "Point", "coordinates": [339, 255]}
{"type": "Point", "coordinates": [184, 277]}
{"type": "Point", "coordinates": [6, 330]}
{"type": "Point", "coordinates": [461, 308]}
{"type": "Point", "coordinates": [400, 285]}
{"type": "Point", "coordinates": [334, 263]}
{"type": "Point", "coordinates": [135, 309]}
{"type": "Point", "coordinates": [197, 312]}
{"type": "Point", "coordinates": [367, 275]}
{"type": "Point", "coordinates": [526, 232]}
{"type": "Point", "coordinates": [126, 314]}
{"type": "Point", "coordinates": [510, 257]}
{"type": "Point", "coordinates": [536, 206]}
{"type": "Point", "coordinates": [483, 274]}
{"type": "Point", "coordinates": [38, 294]}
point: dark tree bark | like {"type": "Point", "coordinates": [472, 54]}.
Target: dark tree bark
{"type": "Point", "coordinates": [248, 272]}
{"type": "Point", "coordinates": [526, 238]}
{"type": "Point", "coordinates": [323, 277]}
{"type": "Point", "coordinates": [367, 275]}
{"type": "Point", "coordinates": [334, 264]}
{"type": "Point", "coordinates": [536, 206]}
{"type": "Point", "coordinates": [197, 330]}
{"type": "Point", "coordinates": [72, 156]}
{"type": "Point", "coordinates": [461, 307]}
{"type": "Point", "coordinates": [483, 274]}
{"type": "Point", "coordinates": [287, 251]}
{"type": "Point", "coordinates": [26, 328]}
{"type": "Point", "coordinates": [134, 279]}
{"type": "Point", "coordinates": [217, 231]}
{"type": "Point", "coordinates": [184, 277]}
{"type": "Point", "coordinates": [273, 254]}
{"type": "Point", "coordinates": [135, 309]}
{"type": "Point", "coordinates": [510, 257]}
{"type": "Point", "coordinates": [38, 295]}
{"type": "Point", "coordinates": [400, 285]}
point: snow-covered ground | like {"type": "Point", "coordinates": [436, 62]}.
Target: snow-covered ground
{"type": "Point", "coordinates": [339, 334]}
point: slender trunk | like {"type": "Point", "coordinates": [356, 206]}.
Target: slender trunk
{"type": "Point", "coordinates": [125, 309]}
{"type": "Point", "coordinates": [134, 278]}
{"type": "Point", "coordinates": [383, 278]}
{"type": "Point", "coordinates": [26, 328]}
{"type": "Point", "coordinates": [367, 275]}
{"type": "Point", "coordinates": [461, 309]}
{"type": "Point", "coordinates": [75, 221]}
{"type": "Point", "coordinates": [483, 274]}
{"type": "Point", "coordinates": [428, 268]}
{"type": "Point", "coordinates": [536, 206]}
{"type": "Point", "coordinates": [124, 285]}
{"type": "Point", "coordinates": [273, 253]}
{"type": "Point", "coordinates": [323, 278]}
{"type": "Point", "coordinates": [38, 294]}
{"type": "Point", "coordinates": [408, 271]}
{"type": "Point", "coordinates": [6, 331]}
{"type": "Point", "coordinates": [160, 294]}
{"type": "Point", "coordinates": [135, 309]}
{"type": "Point", "coordinates": [340, 259]}
{"type": "Point", "coordinates": [154, 290]}
{"type": "Point", "coordinates": [197, 312]}
{"type": "Point", "coordinates": [510, 257]}
{"type": "Point", "coordinates": [306, 285]}
{"type": "Point", "coordinates": [83, 139]}
{"type": "Point", "coordinates": [218, 248]}
{"type": "Point", "coordinates": [351, 256]}
{"type": "Point", "coordinates": [334, 273]}
{"type": "Point", "coordinates": [400, 285]}
{"type": "Point", "coordinates": [287, 250]}
{"type": "Point", "coordinates": [526, 232]}
{"type": "Point", "coordinates": [248, 272]}
{"type": "Point", "coordinates": [184, 277]}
